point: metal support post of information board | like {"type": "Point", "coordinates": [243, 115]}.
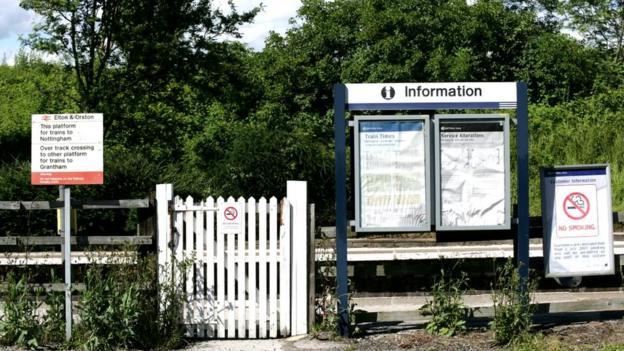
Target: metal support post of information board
{"type": "Point", "coordinates": [341, 209]}
{"type": "Point", "coordinates": [521, 243]}
{"type": "Point", "coordinates": [67, 260]}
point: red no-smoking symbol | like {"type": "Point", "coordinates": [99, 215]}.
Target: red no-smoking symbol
{"type": "Point", "coordinates": [576, 205]}
{"type": "Point", "coordinates": [230, 213]}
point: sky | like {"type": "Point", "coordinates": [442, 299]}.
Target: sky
{"type": "Point", "coordinates": [16, 22]}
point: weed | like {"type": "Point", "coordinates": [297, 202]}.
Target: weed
{"type": "Point", "coordinates": [19, 324]}
{"type": "Point", "coordinates": [54, 319]}
{"type": "Point", "coordinates": [513, 312]}
{"type": "Point", "coordinates": [449, 313]}
{"type": "Point", "coordinates": [120, 308]}
{"type": "Point", "coordinates": [109, 311]}
{"type": "Point", "coordinates": [327, 303]}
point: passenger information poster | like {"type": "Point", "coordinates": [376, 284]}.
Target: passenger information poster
{"type": "Point", "coordinates": [392, 175]}
{"type": "Point", "coordinates": [577, 218]}
{"type": "Point", "coordinates": [472, 161]}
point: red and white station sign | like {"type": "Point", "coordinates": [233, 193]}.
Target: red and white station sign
{"type": "Point", "coordinates": [67, 149]}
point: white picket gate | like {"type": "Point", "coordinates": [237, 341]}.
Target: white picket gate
{"type": "Point", "coordinates": [238, 284]}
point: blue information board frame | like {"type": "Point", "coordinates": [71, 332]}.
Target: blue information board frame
{"type": "Point", "coordinates": [341, 106]}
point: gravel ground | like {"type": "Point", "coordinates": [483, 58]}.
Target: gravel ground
{"type": "Point", "coordinates": [583, 336]}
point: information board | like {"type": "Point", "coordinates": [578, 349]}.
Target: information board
{"type": "Point", "coordinates": [577, 219]}
{"type": "Point", "coordinates": [392, 173]}
{"type": "Point", "coordinates": [472, 172]}
{"type": "Point", "coordinates": [67, 149]}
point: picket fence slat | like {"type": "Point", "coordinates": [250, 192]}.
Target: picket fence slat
{"type": "Point", "coordinates": [231, 283]}
{"type": "Point", "coordinates": [284, 318]}
{"type": "Point", "coordinates": [273, 267]}
{"type": "Point", "coordinates": [251, 258]}
{"type": "Point", "coordinates": [210, 302]}
{"type": "Point", "coordinates": [188, 273]}
{"type": "Point", "coordinates": [200, 273]}
{"type": "Point", "coordinates": [177, 242]}
{"type": "Point", "coordinates": [240, 305]}
{"type": "Point", "coordinates": [262, 261]}
{"type": "Point", "coordinates": [239, 282]}
{"type": "Point", "coordinates": [220, 278]}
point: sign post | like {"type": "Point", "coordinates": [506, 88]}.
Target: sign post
{"type": "Point", "coordinates": [67, 260]}
{"type": "Point", "coordinates": [419, 97]}
{"type": "Point", "coordinates": [67, 149]}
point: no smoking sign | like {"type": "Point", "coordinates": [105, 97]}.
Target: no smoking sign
{"type": "Point", "coordinates": [576, 205]}
{"type": "Point", "coordinates": [231, 218]}
{"type": "Point", "coordinates": [230, 213]}
{"type": "Point", "coordinates": [576, 213]}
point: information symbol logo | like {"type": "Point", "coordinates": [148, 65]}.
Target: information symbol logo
{"type": "Point", "coordinates": [387, 92]}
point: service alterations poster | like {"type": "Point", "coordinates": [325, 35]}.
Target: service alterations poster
{"type": "Point", "coordinates": [472, 173]}
{"type": "Point", "coordinates": [392, 175]}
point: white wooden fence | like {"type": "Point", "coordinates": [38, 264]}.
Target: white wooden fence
{"type": "Point", "coordinates": [240, 283]}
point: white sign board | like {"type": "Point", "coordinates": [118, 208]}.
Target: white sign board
{"type": "Point", "coordinates": [498, 95]}
{"type": "Point", "coordinates": [472, 172]}
{"type": "Point", "coordinates": [578, 222]}
{"type": "Point", "coordinates": [231, 218]}
{"type": "Point", "coordinates": [67, 149]}
{"type": "Point", "coordinates": [392, 174]}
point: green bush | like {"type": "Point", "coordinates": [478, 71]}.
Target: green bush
{"type": "Point", "coordinates": [449, 313]}
{"type": "Point", "coordinates": [513, 312]}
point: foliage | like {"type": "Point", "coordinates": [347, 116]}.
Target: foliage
{"type": "Point", "coordinates": [584, 131]}
{"type": "Point", "coordinates": [448, 312]}
{"type": "Point", "coordinates": [160, 326]}
{"type": "Point", "coordinates": [19, 324]}
{"type": "Point", "coordinates": [513, 312]}
{"type": "Point", "coordinates": [94, 36]}
{"type": "Point", "coordinates": [183, 106]}
{"type": "Point", "coordinates": [53, 323]}
{"type": "Point", "coordinates": [327, 303]}
{"type": "Point", "coordinates": [120, 308]}
{"type": "Point", "coordinates": [109, 310]}
{"type": "Point", "coordinates": [600, 22]}
{"type": "Point", "coordinates": [539, 342]}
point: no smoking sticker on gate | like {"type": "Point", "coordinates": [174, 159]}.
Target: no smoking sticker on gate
{"type": "Point", "coordinates": [230, 213]}
{"type": "Point", "coordinates": [576, 205]}
{"type": "Point", "coordinates": [231, 216]}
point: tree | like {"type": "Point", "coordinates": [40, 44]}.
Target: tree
{"type": "Point", "coordinates": [599, 22]}
{"type": "Point", "coordinates": [84, 35]}
{"type": "Point", "coordinates": [154, 37]}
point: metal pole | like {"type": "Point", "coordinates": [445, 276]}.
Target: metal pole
{"type": "Point", "coordinates": [341, 209]}
{"type": "Point", "coordinates": [521, 251]}
{"type": "Point", "coordinates": [67, 261]}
